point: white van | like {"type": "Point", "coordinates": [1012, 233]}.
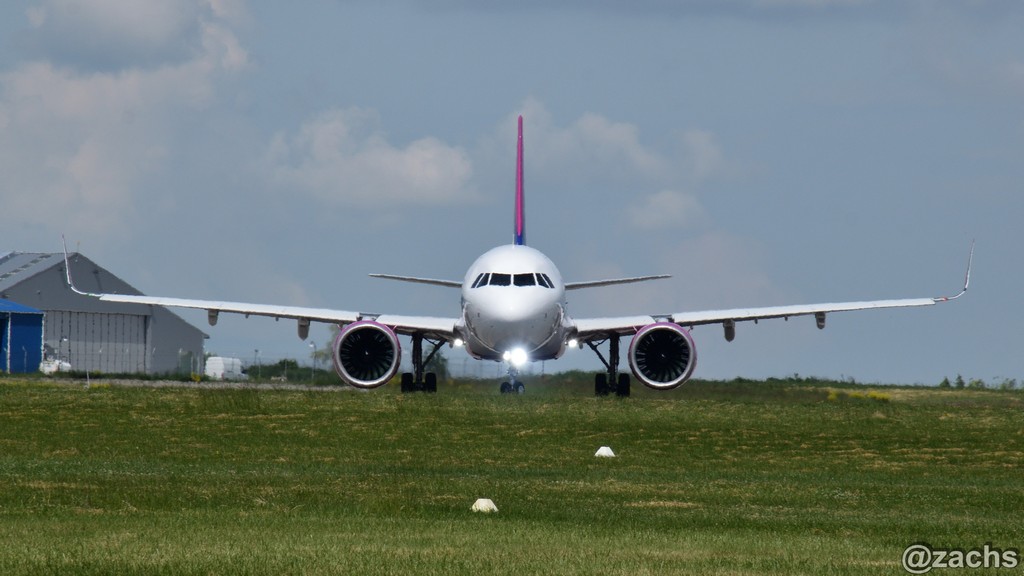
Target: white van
{"type": "Point", "coordinates": [220, 368]}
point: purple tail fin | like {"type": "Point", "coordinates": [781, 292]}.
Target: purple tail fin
{"type": "Point", "coordinates": [520, 232]}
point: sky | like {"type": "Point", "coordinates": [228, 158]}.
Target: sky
{"type": "Point", "coordinates": [763, 152]}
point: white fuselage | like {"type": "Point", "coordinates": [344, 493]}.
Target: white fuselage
{"type": "Point", "coordinates": [513, 299]}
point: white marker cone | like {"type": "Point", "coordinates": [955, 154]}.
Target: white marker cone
{"type": "Point", "coordinates": [484, 505]}
{"type": "Point", "coordinates": [605, 452]}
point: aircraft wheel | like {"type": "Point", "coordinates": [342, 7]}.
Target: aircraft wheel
{"type": "Point", "coordinates": [622, 390]}
{"type": "Point", "coordinates": [430, 385]}
{"type": "Point", "coordinates": [407, 383]}
{"type": "Point", "coordinates": [520, 388]}
{"type": "Point", "coordinates": [506, 388]}
{"type": "Point", "coordinates": [600, 384]}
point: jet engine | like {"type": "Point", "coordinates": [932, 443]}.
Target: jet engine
{"type": "Point", "coordinates": [366, 354]}
{"type": "Point", "coordinates": [662, 355]}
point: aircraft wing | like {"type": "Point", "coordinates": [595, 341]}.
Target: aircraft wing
{"type": "Point", "coordinates": [443, 328]}
{"type": "Point", "coordinates": [215, 306]}
{"type": "Point", "coordinates": [765, 313]}
{"type": "Point", "coordinates": [598, 328]}
{"type": "Point", "coordinates": [438, 327]}
{"type": "Point", "coordinates": [428, 325]}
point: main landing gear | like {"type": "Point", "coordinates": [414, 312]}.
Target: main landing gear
{"type": "Point", "coordinates": [417, 381]}
{"type": "Point", "coordinates": [611, 381]}
{"type": "Point", "coordinates": [513, 386]}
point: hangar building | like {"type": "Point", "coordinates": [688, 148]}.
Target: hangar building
{"type": "Point", "coordinates": [92, 334]}
{"type": "Point", "coordinates": [21, 338]}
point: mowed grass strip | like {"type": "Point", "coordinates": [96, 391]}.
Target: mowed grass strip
{"type": "Point", "coordinates": [727, 478]}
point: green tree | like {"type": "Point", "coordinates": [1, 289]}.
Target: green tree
{"type": "Point", "coordinates": [438, 365]}
{"type": "Point", "coordinates": [322, 356]}
{"type": "Point", "coordinates": [285, 368]}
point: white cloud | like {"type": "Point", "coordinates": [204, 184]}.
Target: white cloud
{"type": "Point", "coordinates": [703, 156]}
{"type": "Point", "coordinates": [342, 157]}
{"type": "Point", "coordinates": [110, 34]}
{"type": "Point", "coordinates": [596, 137]}
{"type": "Point", "coordinates": [592, 146]}
{"type": "Point", "coordinates": [728, 8]}
{"type": "Point", "coordinates": [78, 145]}
{"type": "Point", "coordinates": [667, 209]}
{"type": "Point", "coordinates": [713, 270]}
{"type": "Point", "coordinates": [151, 21]}
{"type": "Point", "coordinates": [732, 272]}
{"type": "Point", "coordinates": [36, 16]}
{"type": "Point", "coordinates": [221, 48]}
{"type": "Point", "coordinates": [596, 148]}
{"type": "Point", "coordinates": [228, 10]}
{"type": "Point", "coordinates": [811, 3]}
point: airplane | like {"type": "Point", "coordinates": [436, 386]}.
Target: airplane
{"type": "Point", "coordinates": [513, 310]}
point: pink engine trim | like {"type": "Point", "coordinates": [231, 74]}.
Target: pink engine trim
{"type": "Point", "coordinates": [366, 324]}
{"type": "Point", "coordinates": [663, 326]}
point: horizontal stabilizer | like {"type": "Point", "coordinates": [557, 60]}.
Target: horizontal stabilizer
{"type": "Point", "coordinates": [613, 282]}
{"type": "Point", "coordinates": [432, 281]}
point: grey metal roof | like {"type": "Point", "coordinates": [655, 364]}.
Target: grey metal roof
{"type": "Point", "coordinates": [15, 267]}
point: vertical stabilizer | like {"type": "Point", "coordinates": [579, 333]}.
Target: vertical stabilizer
{"type": "Point", "coordinates": [520, 231]}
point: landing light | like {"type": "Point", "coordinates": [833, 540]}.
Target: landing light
{"type": "Point", "coordinates": [516, 357]}
{"type": "Point", "coordinates": [573, 343]}
{"type": "Point", "coordinates": [458, 342]}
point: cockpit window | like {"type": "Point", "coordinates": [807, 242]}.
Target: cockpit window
{"type": "Point", "coordinates": [500, 279]}
{"type": "Point", "coordinates": [524, 280]}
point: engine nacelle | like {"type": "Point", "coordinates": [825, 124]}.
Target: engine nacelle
{"type": "Point", "coordinates": [662, 355]}
{"type": "Point", "coordinates": [366, 354]}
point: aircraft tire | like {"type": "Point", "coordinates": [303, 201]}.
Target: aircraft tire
{"type": "Point", "coordinates": [600, 384]}
{"type": "Point", "coordinates": [430, 383]}
{"type": "Point", "coordinates": [407, 382]}
{"type": "Point", "coordinates": [506, 388]}
{"type": "Point", "coordinates": [519, 388]}
{"type": "Point", "coordinates": [622, 390]}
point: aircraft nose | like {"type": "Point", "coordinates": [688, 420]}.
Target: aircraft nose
{"type": "Point", "coordinates": [515, 310]}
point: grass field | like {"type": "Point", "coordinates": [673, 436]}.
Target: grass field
{"type": "Point", "coordinates": [717, 478]}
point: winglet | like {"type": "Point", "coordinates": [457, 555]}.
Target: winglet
{"type": "Point", "coordinates": [520, 222]}
{"type": "Point", "coordinates": [967, 278]}
{"type": "Point", "coordinates": [67, 269]}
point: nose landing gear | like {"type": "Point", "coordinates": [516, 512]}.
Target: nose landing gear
{"type": "Point", "coordinates": [513, 386]}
